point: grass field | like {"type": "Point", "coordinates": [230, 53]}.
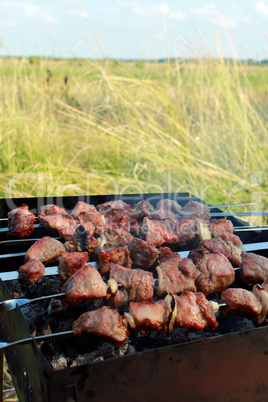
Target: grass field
{"type": "Point", "coordinates": [73, 127]}
{"type": "Point", "coordinates": [81, 126]}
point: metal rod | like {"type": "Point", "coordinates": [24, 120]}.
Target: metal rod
{"type": "Point", "coordinates": [239, 204]}
{"type": "Point", "coordinates": [5, 345]}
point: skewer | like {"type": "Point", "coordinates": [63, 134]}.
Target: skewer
{"type": "Point", "coordinates": [239, 204]}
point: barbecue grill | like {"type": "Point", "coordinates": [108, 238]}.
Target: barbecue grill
{"type": "Point", "coordinates": [225, 365]}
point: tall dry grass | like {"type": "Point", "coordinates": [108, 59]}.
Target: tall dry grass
{"type": "Point", "coordinates": [115, 126]}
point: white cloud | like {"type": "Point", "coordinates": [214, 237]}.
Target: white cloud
{"type": "Point", "coordinates": [211, 14]}
{"type": "Point", "coordinates": [262, 8]}
{"type": "Point", "coordinates": [21, 10]}
{"type": "Point", "coordinates": [149, 10]}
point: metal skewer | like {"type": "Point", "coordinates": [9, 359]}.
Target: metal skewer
{"type": "Point", "coordinates": [11, 304]}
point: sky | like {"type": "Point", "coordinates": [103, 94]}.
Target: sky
{"type": "Point", "coordinates": [138, 29]}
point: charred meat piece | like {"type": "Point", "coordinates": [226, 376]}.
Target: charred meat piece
{"type": "Point", "coordinates": [85, 284]}
{"type": "Point", "coordinates": [241, 302]}
{"type": "Point", "coordinates": [114, 204]}
{"type": "Point", "coordinates": [218, 227]}
{"type": "Point", "coordinates": [186, 230]}
{"type": "Point", "coordinates": [140, 210]}
{"type": "Point", "coordinates": [56, 221]}
{"type": "Point", "coordinates": [116, 236]}
{"type": "Point", "coordinates": [236, 247]}
{"type": "Point", "coordinates": [51, 209]}
{"type": "Point", "coordinates": [158, 315]}
{"type": "Point", "coordinates": [175, 276]}
{"type": "Point", "coordinates": [195, 209]}
{"type": "Point", "coordinates": [195, 311]}
{"type": "Point", "coordinates": [156, 234]}
{"type": "Point", "coordinates": [262, 295]}
{"type": "Point", "coordinates": [103, 322]}
{"type": "Point", "coordinates": [93, 221]}
{"type": "Point", "coordinates": [83, 241]}
{"type": "Point", "coordinates": [216, 273]}
{"type": "Point", "coordinates": [45, 250]}
{"type": "Point", "coordinates": [20, 222]}
{"type": "Point", "coordinates": [118, 218]}
{"type": "Point", "coordinates": [69, 263]}
{"type": "Point", "coordinates": [143, 255]}
{"type": "Point", "coordinates": [138, 285]}
{"type": "Point", "coordinates": [135, 228]}
{"type": "Point", "coordinates": [82, 206]}
{"type": "Point", "coordinates": [169, 204]}
{"type": "Point", "coordinates": [107, 256]}
{"type": "Point", "coordinates": [210, 246]}
{"type": "Point", "coordinates": [31, 272]}
{"type": "Point", "coordinates": [254, 268]}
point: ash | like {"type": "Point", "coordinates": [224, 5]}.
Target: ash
{"type": "Point", "coordinates": [50, 316]}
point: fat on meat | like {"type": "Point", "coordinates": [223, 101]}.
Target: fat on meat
{"type": "Point", "coordinates": [45, 250]}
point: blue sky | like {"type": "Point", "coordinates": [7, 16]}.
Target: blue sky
{"type": "Point", "coordinates": [134, 29]}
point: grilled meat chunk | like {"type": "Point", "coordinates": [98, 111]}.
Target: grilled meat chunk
{"type": "Point", "coordinates": [118, 219]}
{"type": "Point", "coordinates": [51, 209]}
{"type": "Point", "coordinates": [138, 285]}
{"type": "Point", "coordinates": [176, 275]}
{"type": "Point", "coordinates": [117, 236]}
{"type": "Point", "coordinates": [236, 247]}
{"type": "Point", "coordinates": [186, 230]}
{"type": "Point", "coordinates": [219, 227]}
{"type": "Point", "coordinates": [69, 263]}
{"type": "Point", "coordinates": [20, 222]}
{"type": "Point", "coordinates": [114, 204]}
{"type": "Point", "coordinates": [158, 315]}
{"type": "Point", "coordinates": [85, 284]}
{"type": "Point", "coordinates": [156, 234]}
{"type": "Point", "coordinates": [195, 311]}
{"type": "Point", "coordinates": [106, 257]}
{"type": "Point", "coordinates": [165, 254]}
{"type": "Point", "coordinates": [103, 322]}
{"type": "Point", "coordinates": [195, 209]}
{"type": "Point", "coordinates": [241, 302]}
{"type": "Point", "coordinates": [140, 210]}
{"type": "Point", "coordinates": [161, 213]}
{"type": "Point", "coordinates": [254, 268]}
{"type": "Point", "coordinates": [93, 221]}
{"type": "Point", "coordinates": [143, 255]}
{"type": "Point", "coordinates": [82, 206]}
{"type": "Point", "coordinates": [210, 246]}
{"type": "Point", "coordinates": [216, 273]}
{"type": "Point", "coordinates": [45, 250]}
{"type": "Point", "coordinates": [31, 272]}
{"type": "Point", "coordinates": [169, 204]}
{"type": "Point", "coordinates": [56, 221]}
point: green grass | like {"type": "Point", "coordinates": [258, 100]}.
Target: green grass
{"type": "Point", "coordinates": [199, 126]}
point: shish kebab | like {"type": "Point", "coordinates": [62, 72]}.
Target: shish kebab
{"type": "Point", "coordinates": [190, 310]}
{"type": "Point", "coordinates": [21, 220]}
